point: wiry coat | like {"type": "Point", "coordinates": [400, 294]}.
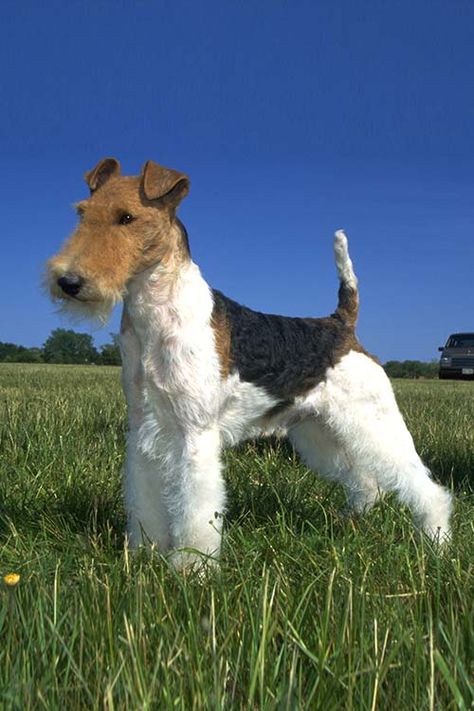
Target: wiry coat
{"type": "Point", "coordinates": [201, 372]}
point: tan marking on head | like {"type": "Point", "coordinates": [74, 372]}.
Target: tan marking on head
{"type": "Point", "coordinates": [105, 169]}
{"type": "Point", "coordinates": [222, 338]}
{"type": "Point", "coordinates": [161, 183]}
{"type": "Point", "coordinates": [108, 248]}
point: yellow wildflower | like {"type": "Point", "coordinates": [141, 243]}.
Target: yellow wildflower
{"type": "Point", "coordinates": [11, 579]}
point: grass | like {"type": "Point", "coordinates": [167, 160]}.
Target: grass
{"type": "Point", "coordinates": [309, 610]}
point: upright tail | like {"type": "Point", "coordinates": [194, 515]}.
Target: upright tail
{"type": "Point", "coordinates": [348, 304]}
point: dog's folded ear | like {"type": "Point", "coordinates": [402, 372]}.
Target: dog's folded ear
{"type": "Point", "coordinates": [105, 169]}
{"type": "Point", "coordinates": [164, 184]}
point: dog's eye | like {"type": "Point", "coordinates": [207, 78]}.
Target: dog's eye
{"type": "Point", "coordinates": [126, 218]}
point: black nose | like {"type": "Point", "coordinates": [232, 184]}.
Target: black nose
{"type": "Point", "coordinates": [71, 284]}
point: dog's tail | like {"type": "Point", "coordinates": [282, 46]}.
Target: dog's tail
{"type": "Point", "coordinates": [348, 304]}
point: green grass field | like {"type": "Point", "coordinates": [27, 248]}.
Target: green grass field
{"type": "Point", "coordinates": [309, 609]}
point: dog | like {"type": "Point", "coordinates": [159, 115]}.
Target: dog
{"type": "Point", "coordinates": [201, 372]}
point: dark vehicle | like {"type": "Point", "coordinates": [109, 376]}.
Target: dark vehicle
{"type": "Point", "coordinates": [457, 357]}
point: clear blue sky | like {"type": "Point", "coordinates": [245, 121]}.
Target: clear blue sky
{"type": "Point", "coordinates": [291, 118]}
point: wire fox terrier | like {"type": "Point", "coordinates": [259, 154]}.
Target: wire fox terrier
{"type": "Point", "coordinates": [200, 372]}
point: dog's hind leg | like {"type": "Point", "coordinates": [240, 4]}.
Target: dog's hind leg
{"type": "Point", "coordinates": [320, 451]}
{"type": "Point", "coordinates": [371, 448]}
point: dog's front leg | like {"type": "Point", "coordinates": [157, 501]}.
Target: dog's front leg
{"type": "Point", "coordinates": [174, 492]}
{"type": "Point", "coordinates": [147, 517]}
{"type": "Point", "coordinates": [195, 498]}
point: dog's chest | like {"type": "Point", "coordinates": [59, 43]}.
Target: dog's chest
{"type": "Point", "coordinates": [171, 361]}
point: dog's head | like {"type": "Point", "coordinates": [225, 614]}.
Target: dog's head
{"type": "Point", "coordinates": [127, 225]}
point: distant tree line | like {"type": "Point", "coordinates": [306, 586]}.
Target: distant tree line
{"type": "Point", "coordinates": [411, 369]}
{"type": "Point", "coordinates": [64, 346]}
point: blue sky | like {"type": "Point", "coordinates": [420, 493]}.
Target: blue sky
{"type": "Point", "coordinates": [292, 119]}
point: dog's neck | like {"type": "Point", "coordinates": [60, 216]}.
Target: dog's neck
{"type": "Point", "coordinates": [167, 340]}
{"type": "Point", "coordinates": [162, 303]}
